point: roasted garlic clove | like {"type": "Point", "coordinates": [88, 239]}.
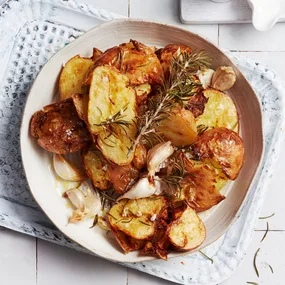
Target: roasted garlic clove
{"type": "Point", "coordinates": [224, 78]}
{"type": "Point", "coordinates": [66, 170]}
{"type": "Point", "coordinates": [157, 155]}
{"type": "Point", "coordinates": [142, 189]}
{"type": "Point", "coordinates": [205, 77]}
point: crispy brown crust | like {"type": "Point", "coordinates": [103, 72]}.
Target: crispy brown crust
{"type": "Point", "coordinates": [96, 54]}
{"type": "Point", "coordinates": [58, 128]}
{"type": "Point", "coordinates": [224, 146]}
{"type": "Point", "coordinates": [196, 104]}
{"type": "Point", "coordinates": [165, 55]}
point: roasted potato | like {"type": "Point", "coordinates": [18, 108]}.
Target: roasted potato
{"type": "Point", "coordinates": [58, 128]}
{"type": "Point", "coordinates": [121, 176]}
{"type": "Point", "coordinates": [137, 61]}
{"type": "Point", "coordinates": [142, 91]}
{"type": "Point", "coordinates": [133, 217]}
{"type": "Point", "coordinates": [224, 147]}
{"type": "Point", "coordinates": [166, 54]}
{"type": "Point", "coordinates": [187, 231]}
{"type": "Point", "coordinates": [72, 76]}
{"type": "Point", "coordinates": [201, 187]}
{"type": "Point", "coordinates": [139, 160]}
{"type": "Point", "coordinates": [96, 54]}
{"type": "Point", "coordinates": [80, 102]}
{"type": "Point", "coordinates": [179, 128]}
{"type": "Point", "coordinates": [96, 168]}
{"type": "Point", "coordinates": [196, 104]}
{"type": "Point", "coordinates": [220, 111]}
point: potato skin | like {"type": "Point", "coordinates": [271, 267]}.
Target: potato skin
{"type": "Point", "coordinates": [96, 54]}
{"type": "Point", "coordinates": [196, 104]}
{"type": "Point", "coordinates": [58, 128]}
{"type": "Point", "coordinates": [223, 146]}
{"type": "Point", "coordinates": [166, 54]}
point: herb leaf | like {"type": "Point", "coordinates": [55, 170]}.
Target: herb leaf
{"type": "Point", "coordinates": [94, 222]}
{"type": "Point", "coordinates": [206, 256]}
{"type": "Point", "coordinates": [266, 217]}
{"type": "Point", "coordinates": [254, 262]}
{"type": "Point", "coordinates": [265, 234]}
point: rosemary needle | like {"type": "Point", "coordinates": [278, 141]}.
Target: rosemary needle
{"type": "Point", "coordinates": [253, 283]}
{"type": "Point", "coordinates": [271, 269]}
{"type": "Point", "coordinates": [94, 222]}
{"type": "Point", "coordinates": [254, 263]}
{"type": "Point", "coordinates": [265, 234]}
{"type": "Point", "coordinates": [206, 256]}
{"type": "Point", "coordinates": [266, 217]}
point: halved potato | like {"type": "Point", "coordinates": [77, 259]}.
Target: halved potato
{"type": "Point", "coordinates": [133, 217]}
{"type": "Point", "coordinates": [220, 111]}
{"type": "Point", "coordinates": [179, 128]}
{"type": "Point", "coordinates": [201, 188]}
{"type": "Point", "coordinates": [224, 147]}
{"type": "Point", "coordinates": [187, 231]}
{"type": "Point", "coordinates": [73, 75]}
{"type": "Point", "coordinates": [80, 102]}
{"type": "Point", "coordinates": [96, 168]}
{"type": "Point", "coordinates": [166, 54]}
{"type": "Point", "coordinates": [58, 128]}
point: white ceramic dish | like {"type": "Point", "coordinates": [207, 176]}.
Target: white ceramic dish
{"type": "Point", "coordinates": [37, 161]}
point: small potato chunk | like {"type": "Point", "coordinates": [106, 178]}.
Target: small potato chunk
{"type": "Point", "coordinates": [202, 187]}
{"type": "Point", "coordinates": [96, 168]}
{"type": "Point", "coordinates": [133, 217]}
{"type": "Point", "coordinates": [179, 128]}
{"type": "Point", "coordinates": [80, 102]}
{"type": "Point", "coordinates": [110, 95]}
{"type": "Point", "coordinates": [73, 75]}
{"type": "Point", "coordinates": [96, 54]}
{"type": "Point", "coordinates": [187, 231]}
{"type": "Point", "coordinates": [139, 161]}
{"type": "Point", "coordinates": [58, 128]}
{"type": "Point", "coordinates": [223, 146]}
{"type": "Point", "coordinates": [166, 54]}
{"type": "Point", "coordinates": [220, 111]}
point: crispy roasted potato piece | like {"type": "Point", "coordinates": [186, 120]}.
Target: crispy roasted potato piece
{"type": "Point", "coordinates": [137, 61]}
{"type": "Point", "coordinates": [110, 96]}
{"type": "Point", "coordinates": [166, 54]}
{"type": "Point", "coordinates": [96, 168]}
{"type": "Point", "coordinates": [224, 147]}
{"type": "Point", "coordinates": [133, 217]}
{"type": "Point", "coordinates": [187, 231]}
{"type": "Point", "coordinates": [179, 128]}
{"type": "Point", "coordinates": [220, 111]}
{"type": "Point", "coordinates": [139, 161]}
{"type": "Point", "coordinates": [58, 128]}
{"type": "Point", "coordinates": [196, 104]}
{"type": "Point", "coordinates": [73, 75]}
{"type": "Point", "coordinates": [142, 91]}
{"type": "Point", "coordinates": [202, 187]}
{"type": "Point", "coordinates": [121, 176]}
{"type": "Point", "coordinates": [80, 102]}
{"type": "Point", "coordinates": [96, 54]}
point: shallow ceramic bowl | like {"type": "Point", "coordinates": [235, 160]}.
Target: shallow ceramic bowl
{"type": "Point", "coordinates": [37, 161]}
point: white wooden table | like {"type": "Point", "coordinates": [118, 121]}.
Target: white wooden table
{"type": "Point", "coordinates": [26, 260]}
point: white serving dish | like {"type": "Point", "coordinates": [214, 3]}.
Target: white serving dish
{"type": "Point", "coordinates": [37, 161]}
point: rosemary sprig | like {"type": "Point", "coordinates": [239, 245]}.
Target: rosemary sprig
{"type": "Point", "coordinates": [206, 256]}
{"type": "Point", "coordinates": [176, 89]}
{"type": "Point", "coordinates": [266, 217]}
{"type": "Point", "coordinates": [266, 232]}
{"type": "Point", "coordinates": [254, 262]}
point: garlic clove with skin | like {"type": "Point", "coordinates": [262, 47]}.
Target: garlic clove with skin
{"type": "Point", "coordinates": [157, 155]}
{"type": "Point", "coordinates": [205, 77]}
{"type": "Point", "coordinates": [66, 170]}
{"type": "Point", "coordinates": [224, 78]}
{"type": "Point", "coordinates": [142, 189]}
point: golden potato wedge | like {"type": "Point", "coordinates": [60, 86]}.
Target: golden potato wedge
{"type": "Point", "coordinates": [58, 128]}
{"type": "Point", "coordinates": [73, 75]}
{"type": "Point", "coordinates": [96, 168]}
{"type": "Point", "coordinates": [139, 160]}
{"type": "Point", "coordinates": [187, 231]}
{"type": "Point", "coordinates": [80, 102]}
{"type": "Point", "coordinates": [179, 128]}
{"type": "Point", "coordinates": [196, 104]}
{"type": "Point", "coordinates": [121, 176]}
{"type": "Point", "coordinates": [202, 187]}
{"type": "Point", "coordinates": [166, 54]}
{"type": "Point", "coordinates": [220, 111]}
{"type": "Point", "coordinates": [96, 54]}
{"type": "Point", "coordinates": [224, 147]}
{"type": "Point", "coordinates": [133, 217]}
